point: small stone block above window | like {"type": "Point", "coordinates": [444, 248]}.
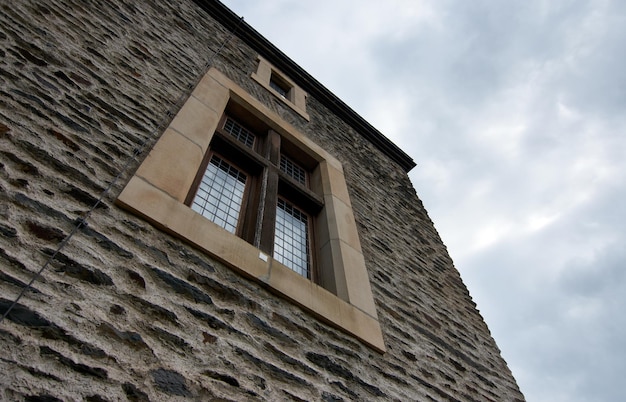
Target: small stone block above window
{"type": "Point", "coordinates": [281, 86]}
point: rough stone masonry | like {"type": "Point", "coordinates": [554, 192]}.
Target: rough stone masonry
{"type": "Point", "coordinates": [126, 311]}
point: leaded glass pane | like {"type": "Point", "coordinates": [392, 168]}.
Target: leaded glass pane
{"type": "Point", "coordinates": [238, 131]}
{"type": "Point", "coordinates": [292, 169]}
{"type": "Point", "coordinates": [291, 238]}
{"type": "Point", "coordinates": [220, 194]}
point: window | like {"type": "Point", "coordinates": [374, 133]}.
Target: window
{"type": "Point", "coordinates": [280, 207]}
{"type": "Point", "coordinates": [241, 133]}
{"type": "Point", "coordinates": [293, 169]}
{"type": "Point", "coordinates": [281, 86]}
{"type": "Point", "coordinates": [220, 194]}
{"type": "Point", "coordinates": [258, 195]}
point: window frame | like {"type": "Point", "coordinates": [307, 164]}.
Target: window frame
{"type": "Point", "coordinates": [264, 154]}
{"type": "Point", "coordinates": [343, 298]}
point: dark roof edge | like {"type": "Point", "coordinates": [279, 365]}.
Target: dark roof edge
{"type": "Point", "coordinates": [252, 38]}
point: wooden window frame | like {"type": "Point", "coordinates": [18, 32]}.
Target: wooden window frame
{"type": "Point", "coordinates": [158, 190]}
{"type": "Point", "coordinates": [260, 162]}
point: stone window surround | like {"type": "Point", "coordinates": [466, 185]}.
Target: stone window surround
{"type": "Point", "coordinates": [296, 97]}
{"type": "Point", "coordinates": [158, 190]}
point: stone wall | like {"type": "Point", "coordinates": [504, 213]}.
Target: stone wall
{"type": "Point", "coordinates": [127, 312]}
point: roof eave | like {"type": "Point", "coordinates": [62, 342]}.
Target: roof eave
{"type": "Point", "coordinates": [255, 40]}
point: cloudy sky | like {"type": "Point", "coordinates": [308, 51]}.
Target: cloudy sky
{"type": "Point", "coordinates": [515, 112]}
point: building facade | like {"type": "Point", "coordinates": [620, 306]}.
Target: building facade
{"type": "Point", "coordinates": [188, 215]}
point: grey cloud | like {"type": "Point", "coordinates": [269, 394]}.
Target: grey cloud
{"type": "Point", "coordinates": [605, 272]}
{"type": "Point", "coordinates": [553, 298]}
{"type": "Point", "coordinates": [568, 329]}
{"type": "Point", "coordinates": [481, 47]}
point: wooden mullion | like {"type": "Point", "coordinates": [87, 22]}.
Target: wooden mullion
{"type": "Point", "coordinates": [267, 209]}
{"type": "Point", "coordinates": [274, 147]}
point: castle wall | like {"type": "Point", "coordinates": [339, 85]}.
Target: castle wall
{"type": "Point", "coordinates": [127, 311]}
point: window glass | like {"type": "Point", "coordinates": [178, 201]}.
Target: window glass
{"type": "Point", "coordinates": [279, 87]}
{"type": "Point", "coordinates": [238, 131]}
{"type": "Point", "coordinates": [220, 194]}
{"type": "Point", "coordinates": [291, 238]}
{"type": "Point", "coordinates": [292, 169]}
